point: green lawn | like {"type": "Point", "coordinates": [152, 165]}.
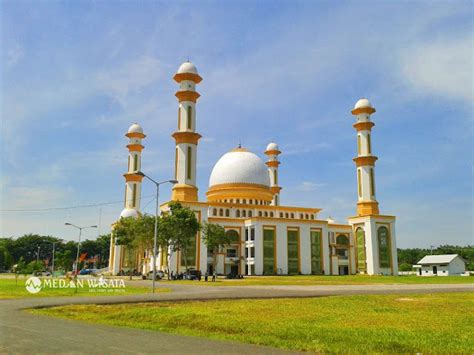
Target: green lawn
{"type": "Point", "coordinates": [10, 288]}
{"type": "Point", "coordinates": [429, 323]}
{"type": "Point", "coordinates": [307, 280]}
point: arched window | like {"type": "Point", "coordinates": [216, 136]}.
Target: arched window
{"type": "Point", "coordinates": [214, 212]}
{"type": "Point", "coordinates": [312, 216]}
{"type": "Point", "coordinates": [369, 148]}
{"type": "Point", "coordinates": [358, 145]}
{"type": "Point", "coordinates": [189, 162]}
{"type": "Point", "coordinates": [244, 213]}
{"type": "Point", "coordinates": [266, 214]}
{"type": "Point", "coordinates": [359, 183]}
{"type": "Point", "coordinates": [233, 236]}
{"type": "Point", "coordinates": [372, 182]}
{"type": "Point", "coordinates": [292, 215]}
{"type": "Point", "coordinates": [286, 215]}
{"type": "Point", "coordinates": [301, 216]}
{"type": "Point", "coordinates": [190, 116]}
{"type": "Point", "coordinates": [342, 239]}
{"type": "Point", "coordinates": [237, 201]}
{"type": "Point", "coordinates": [237, 213]}
{"type": "Point", "coordinates": [250, 213]}
{"type": "Point", "coordinates": [244, 201]}
{"type": "Point", "coordinates": [135, 162]}
{"type": "Point", "coordinates": [383, 237]}
{"type": "Point", "coordinates": [271, 214]}
{"type": "Point", "coordinates": [260, 213]}
{"type": "Point", "coordinates": [221, 212]}
{"type": "Point", "coordinates": [360, 243]}
{"type": "Point", "coordinates": [281, 214]}
{"type": "Point", "coordinates": [227, 213]}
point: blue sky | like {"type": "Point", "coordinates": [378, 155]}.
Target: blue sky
{"type": "Point", "coordinates": [75, 75]}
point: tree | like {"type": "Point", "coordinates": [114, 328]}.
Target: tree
{"type": "Point", "coordinates": [215, 238]}
{"type": "Point", "coordinates": [177, 230]}
{"type": "Point", "coordinates": [125, 231]}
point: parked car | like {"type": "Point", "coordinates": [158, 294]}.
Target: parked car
{"type": "Point", "coordinates": [42, 273]}
{"type": "Point", "coordinates": [149, 276]}
{"type": "Point", "coordinates": [192, 275]}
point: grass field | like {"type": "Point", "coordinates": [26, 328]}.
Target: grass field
{"type": "Point", "coordinates": [11, 288]}
{"type": "Point", "coordinates": [430, 323]}
{"type": "Point", "coordinates": [307, 280]}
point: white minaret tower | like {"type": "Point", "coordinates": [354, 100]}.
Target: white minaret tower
{"type": "Point", "coordinates": [272, 151]}
{"type": "Point", "coordinates": [186, 137]}
{"type": "Point", "coordinates": [373, 234]}
{"type": "Point", "coordinates": [133, 182]}
{"type": "Point", "coordinates": [365, 161]}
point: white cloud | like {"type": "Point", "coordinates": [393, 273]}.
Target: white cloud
{"type": "Point", "coordinates": [308, 186]}
{"type": "Point", "coordinates": [441, 67]}
{"type": "Point", "coordinates": [15, 55]}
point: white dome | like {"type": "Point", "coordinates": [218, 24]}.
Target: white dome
{"type": "Point", "coordinates": [330, 220]}
{"type": "Point", "coordinates": [240, 166]}
{"type": "Point", "coordinates": [272, 146]}
{"type": "Point", "coordinates": [187, 67]}
{"type": "Point", "coordinates": [128, 212]}
{"type": "Point", "coordinates": [135, 128]}
{"type": "Point", "coordinates": [362, 103]}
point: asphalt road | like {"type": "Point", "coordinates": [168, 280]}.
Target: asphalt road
{"type": "Point", "coordinates": [22, 332]}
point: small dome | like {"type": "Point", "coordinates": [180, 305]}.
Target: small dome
{"type": "Point", "coordinates": [239, 166]}
{"type": "Point", "coordinates": [272, 146]}
{"type": "Point", "coordinates": [129, 212]}
{"type": "Point", "coordinates": [330, 220]}
{"type": "Point", "coordinates": [362, 103]}
{"type": "Point", "coordinates": [135, 128]}
{"type": "Point", "coordinates": [187, 67]}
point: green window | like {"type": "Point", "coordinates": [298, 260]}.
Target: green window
{"type": "Point", "coordinates": [316, 260]}
{"type": "Point", "coordinates": [292, 238]}
{"type": "Point", "coordinates": [134, 195]}
{"type": "Point", "coordinates": [190, 116]}
{"type": "Point", "coordinates": [359, 186]}
{"type": "Point", "coordinates": [360, 242]}
{"type": "Point", "coordinates": [135, 162]}
{"type": "Point", "coordinates": [275, 178]}
{"type": "Point", "coordinates": [189, 162]}
{"type": "Point", "coordinates": [372, 182]}
{"type": "Point", "coordinates": [342, 239]}
{"type": "Point", "coordinates": [384, 247]}
{"type": "Point", "coordinates": [369, 148]}
{"type": "Point", "coordinates": [233, 236]}
{"type": "Point", "coordinates": [190, 253]}
{"type": "Point", "coordinates": [269, 251]}
{"type": "Point", "coordinates": [358, 145]}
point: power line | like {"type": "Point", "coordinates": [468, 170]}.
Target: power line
{"type": "Point", "coordinates": [66, 208]}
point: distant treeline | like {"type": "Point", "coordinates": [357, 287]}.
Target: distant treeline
{"type": "Point", "coordinates": [409, 257]}
{"type": "Point", "coordinates": [95, 253]}
{"type": "Point", "coordinates": [23, 251]}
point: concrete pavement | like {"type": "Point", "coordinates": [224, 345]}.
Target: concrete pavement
{"type": "Point", "coordinates": [22, 332]}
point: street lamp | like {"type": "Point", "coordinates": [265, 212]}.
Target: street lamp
{"type": "Point", "coordinates": [157, 211]}
{"type": "Point", "coordinates": [78, 247]}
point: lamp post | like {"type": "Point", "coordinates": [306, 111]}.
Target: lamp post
{"type": "Point", "coordinates": [157, 211]}
{"type": "Point", "coordinates": [38, 256]}
{"type": "Point", "coordinates": [78, 247]}
{"type": "Point", "coordinates": [52, 266]}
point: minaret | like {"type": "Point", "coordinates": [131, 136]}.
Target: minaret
{"type": "Point", "coordinates": [133, 182]}
{"type": "Point", "coordinates": [186, 137]}
{"type": "Point", "coordinates": [272, 151]}
{"type": "Point", "coordinates": [365, 161]}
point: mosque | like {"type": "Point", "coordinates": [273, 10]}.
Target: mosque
{"type": "Point", "coordinates": [244, 197]}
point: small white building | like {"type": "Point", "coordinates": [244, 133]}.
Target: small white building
{"type": "Point", "coordinates": [441, 265]}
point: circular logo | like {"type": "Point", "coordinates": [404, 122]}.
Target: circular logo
{"type": "Point", "coordinates": [33, 284]}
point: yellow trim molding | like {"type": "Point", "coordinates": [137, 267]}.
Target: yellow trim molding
{"type": "Point", "coordinates": [367, 208]}
{"type": "Point", "coordinates": [187, 96]}
{"type": "Point", "coordinates": [186, 137]}
{"type": "Point", "coordinates": [275, 189]}
{"type": "Point", "coordinates": [273, 163]}
{"type": "Point", "coordinates": [368, 160]}
{"type": "Point", "coordinates": [179, 77]}
{"type": "Point", "coordinates": [239, 190]}
{"type": "Point", "coordinates": [363, 126]}
{"type": "Point", "coordinates": [132, 177]}
{"type": "Point", "coordinates": [368, 110]}
{"type": "Point", "coordinates": [135, 147]}
{"type": "Point", "coordinates": [135, 135]}
{"type": "Point", "coordinates": [184, 192]}
{"type": "Point", "coordinates": [272, 152]}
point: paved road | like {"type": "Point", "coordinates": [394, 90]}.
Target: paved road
{"type": "Point", "coordinates": [21, 332]}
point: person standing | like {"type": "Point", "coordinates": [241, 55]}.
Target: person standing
{"type": "Point", "coordinates": [206, 276]}
{"type": "Point", "coordinates": [214, 276]}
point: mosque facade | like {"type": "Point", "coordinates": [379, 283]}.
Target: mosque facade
{"type": "Point", "coordinates": [243, 196]}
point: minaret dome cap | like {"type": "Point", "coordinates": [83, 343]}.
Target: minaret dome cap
{"type": "Point", "coordinates": [363, 103]}
{"type": "Point", "coordinates": [272, 146]}
{"type": "Point", "coordinates": [187, 67]}
{"type": "Point", "coordinates": [129, 212]}
{"type": "Point", "coordinates": [135, 128]}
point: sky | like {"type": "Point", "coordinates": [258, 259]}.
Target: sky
{"type": "Point", "coordinates": [76, 75]}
